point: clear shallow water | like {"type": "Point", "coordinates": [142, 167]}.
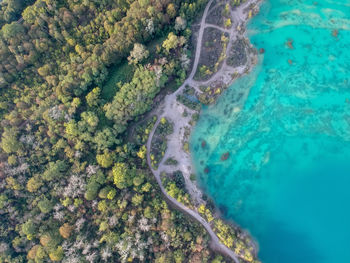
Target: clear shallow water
{"type": "Point", "coordinates": [286, 127]}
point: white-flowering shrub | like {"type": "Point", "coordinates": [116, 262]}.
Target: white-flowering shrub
{"type": "Point", "coordinates": [92, 169]}
{"type": "Point", "coordinates": [150, 26]}
{"type": "Point", "coordinates": [143, 224]}
{"type": "Point", "coordinates": [76, 186]}
{"type": "Point", "coordinates": [180, 23]}
{"type": "Point", "coordinates": [106, 254]}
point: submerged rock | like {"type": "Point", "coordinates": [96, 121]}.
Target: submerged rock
{"type": "Point", "coordinates": [335, 33]}
{"type": "Point", "coordinates": [225, 156]}
{"type": "Point", "coordinates": [223, 209]}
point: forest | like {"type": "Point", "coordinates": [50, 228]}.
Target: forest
{"type": "Point", "coordinates": [74, 187]}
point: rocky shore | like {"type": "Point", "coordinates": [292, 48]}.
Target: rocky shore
{"type": "Point", "coordinates": [216, 65]}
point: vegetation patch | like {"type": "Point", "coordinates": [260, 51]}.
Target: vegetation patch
{"type": "Point", "coordinates": [234, 238]}
{"type": "Point", "coordinates": [123, 72]}
{"type": "Point", "coordinates": [213, 52]}
{"type": "Point", "coordinates": [230, 235]}
{"type": "Point", "coordinates": [117, 74]}
{"type": "Point", "coordinates": [189, 98]}
{"type": "Point", "coordinates": [220, 15]}
{"type": "Point", "coordinates": [171, 161]}
{"type": "Point", "coordinates": [193, 177]}
{"type": "Point", "coordinates": [175, 186]}
{"type": "Point", "coordinates": [195, 118]}
{"type": "Point", "coordinates": [159, 141]}
{"type": "Point", "coordinates": [211, 93]}
{"type": "Point", "coordinates": [11, 10]}
{"type": "Point", "coordinates": [141, 132]}
{"type": "Point", "coordinates": [237, 55]}
{"type": "Point", "coordinates": [185, 141]}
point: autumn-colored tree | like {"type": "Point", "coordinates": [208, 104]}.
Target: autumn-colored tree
{"type": "Point", "coordinates": [65, 230]}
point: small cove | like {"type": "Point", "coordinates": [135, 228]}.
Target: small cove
{"type": "Point", "coordinates": [286, 129]}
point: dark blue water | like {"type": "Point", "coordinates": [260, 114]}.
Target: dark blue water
{"type": "Point", "coordinates": [286, 127]}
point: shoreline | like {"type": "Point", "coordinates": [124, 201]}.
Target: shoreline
{"type": "Point", "coordinates": [173, 110]}
{"type": "Point", "coordinates": [183, 118]}
{"type": "Point", "coordinates": [225, 76]}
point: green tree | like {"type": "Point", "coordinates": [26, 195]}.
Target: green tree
{"type": "Point", "coordinates": [134, 98]}
{"type": "Point", "coordinates": [138, 180]}
{"type": "Point", "coordinates": [122, 175]}
{"type": "Point", "coordinates": [171, 10]}
{"type": "Point", "coordinates": [105, 139]}
{"type": "Point", "coordinates": [12, 30]}
{"type": "Point", "coordinates": [90, 118]}
{"type": "Point", "coordinates": [44, 70]}
{"type": "Point", "coordinates": [218, 259]}
{"type": "Point", "coordinates": [76, 102]}
{"type": "Point", "coordinates": [179, 256]}
{"type": "Point", "coordinates": [104, 192]}
{"type": "Point", "coordinates": [57, 254]}
{"type": "Point", "coordinates": [12, 160]}
{"type": "Point", "coordinates": [173, 41]}
{"type": "Point", "coordinates": [111, 194]}
{"type": "Point", "coordinates": [55, 170]}
{"type": "Point", "coordinates": [91, 190]}
{"type": "Point", "coordinates": [228, 23]}
{"type": "Point", "coordinates": [45, 205]}
{"type": "Point", "coordinates": [92, 98]}
{"type": "Point", "coordinates": [9, 140]}
{"type": "Point", "coordinates": [29, 229]}
{"type": "Point", "coordinates": [148, 213]}
{"type": "Point", "coordinates": [3, 200]}
{"type": "Point", "coordinates": [106, 159]}
{"type": "Point", "coordinates": [137, 199]}
{"type": "Point", "coordinates": [29, 14]}
{"type": "Point", "coordinates": [102, 206]}
{"type": "Point", "coordinates": [72, 129]}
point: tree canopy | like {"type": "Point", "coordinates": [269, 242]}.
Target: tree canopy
{"type": "Point", "coordinates": [74, 185]}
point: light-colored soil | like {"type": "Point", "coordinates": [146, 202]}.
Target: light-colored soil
{"type": "Point", "coordinates": [173, 111]}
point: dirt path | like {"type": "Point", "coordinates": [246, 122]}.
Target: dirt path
{"type": "Point", "coordinates": [173, 111]}
{"type": "Point", "coordinates": [216, 244]}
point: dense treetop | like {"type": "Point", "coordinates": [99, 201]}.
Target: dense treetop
{"type": "Point", "coordinates": [73, 186]}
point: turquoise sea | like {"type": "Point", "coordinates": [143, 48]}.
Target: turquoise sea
{"type": "Point", "coordinates": [286, 127]}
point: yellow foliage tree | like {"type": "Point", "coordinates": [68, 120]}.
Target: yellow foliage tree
{"type": "Point", "coordinates": [32, 252]}
{"type": "Point", "coordinates": [34, 184]}
{"type": "Point", "coordinates": [65, 230]}
{"type": "Point", "coordinates": [57, 254]}
{"type": "Point", "coordinates": [45, 240]}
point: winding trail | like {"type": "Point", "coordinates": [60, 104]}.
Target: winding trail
{"type": "Point", "coordinates": [215, 242]}
{"type": "Point", "coordinates": [173, 111]}
{"type": "Point", "coordinates": [217, 27]}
